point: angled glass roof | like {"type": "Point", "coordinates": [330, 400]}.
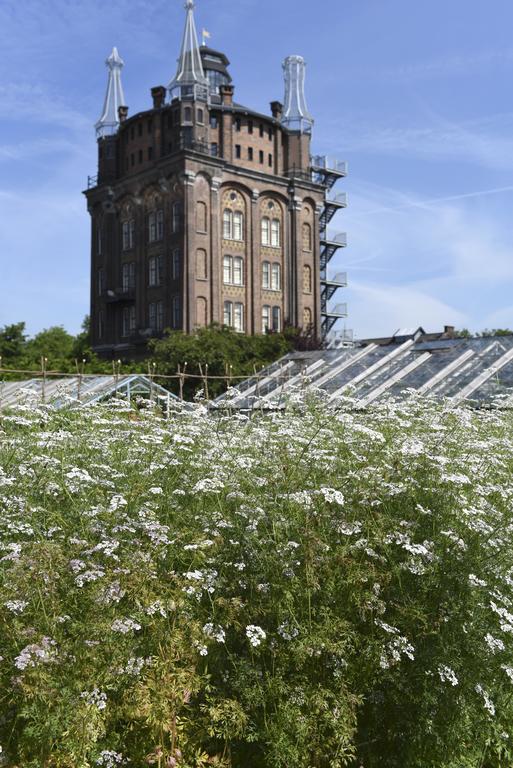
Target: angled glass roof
{"type": "Point", "coordinates": [475, 369]}
{"type": "Point", "coordinates": [79, 390]}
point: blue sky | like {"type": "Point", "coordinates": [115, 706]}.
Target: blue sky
{"type": "Point", "coordinates": [416, 96]}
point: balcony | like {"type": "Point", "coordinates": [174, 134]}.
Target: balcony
{"type": "Point", "coordinates": [329, 165]}
{"type": "Point", "coordinates": [330, 243]}
{"type": "Point", "coordinates": [92, 181]}
{"type": "Point", "coordinates": [339, 311]}
{"type": "Point", "coordinates": [338, 281]}
{"type": "Point", "coordinates": [119, 295]}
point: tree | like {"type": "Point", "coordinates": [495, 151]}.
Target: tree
{"type": "Point", "coordinates": [218, 351]}
{"type": "Point", "coordinates": [12, 343]}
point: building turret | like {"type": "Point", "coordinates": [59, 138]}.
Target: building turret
{"type": "Point", "coordinates": [190, 81]}
{"type": "Point", "coordinates": [108, 123]}
{"type": "Point", "coordinates": [296, 116]}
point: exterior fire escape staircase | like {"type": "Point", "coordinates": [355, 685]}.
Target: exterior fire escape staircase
{"type": "Point", "coordinates": [327, 171]}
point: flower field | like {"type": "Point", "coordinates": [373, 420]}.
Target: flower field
{"type": "Point", "coordinates": [309, 589]}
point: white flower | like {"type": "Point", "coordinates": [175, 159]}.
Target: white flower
{"type": "Point", "coordinates": [255, 635]}
{"type": "Point", "coordinates": [16, 606]}
{"type": "Point", "coordinates": [95, 698]}
{"type": "Point", "coordinates": [156, 491]}
{"type": "Point", "coordinates": [493, 643]}
{"type": "Point", "coordinates": [124, 626]}
{"type": "Point", "coordinates": [488, 703]}
{"type": "Point", "coordinates": [332, 496]}
{"type": "Point", "coordinates": [447, 675]}
{"type": "Point", "coordinates": [215, 632]}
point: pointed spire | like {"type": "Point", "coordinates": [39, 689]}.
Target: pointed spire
{"type": "Point", "coordinates": [189, 74]}
{"type": "Point", "coordinates": [108, 123]}
{"type": "Point", "coordinates": [296, 116]}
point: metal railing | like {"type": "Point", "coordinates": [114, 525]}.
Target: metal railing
{"type": "Point", "coordinates": [339, 310]}
{"type": "Point", "coordinates": [339, 199]}
{"type": "Point", "coordinates": [340, 280]}
{"type": "Point", "coordinates": [92, 181]}
{"type": "Point", "coordinates": [329, 164]}
{"type": "Point", "coordinates": [338, 239]}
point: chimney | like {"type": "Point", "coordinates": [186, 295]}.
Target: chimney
{"type": "Point", "coordinates": [277, 109]}
{"type": "Point", "coordinates": [122, 114]}
{"type": "Point", "coordinates": [158, 94]}
{"type": "Point", "coordinates": [227, 94]}
{"type": "Point", "coordinates": [449, 331]}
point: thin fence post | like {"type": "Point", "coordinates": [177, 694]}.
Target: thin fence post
{"type": "Point", "coordinates": [44, 361]}
{"type": "Point", "coordinates": [206, 382]}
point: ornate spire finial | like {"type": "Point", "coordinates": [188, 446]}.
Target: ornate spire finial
{"type": "Point", "coordinates": [190, 78]}
{"type": "Point", "coordinates": [108, 123]}
{"type": "Point", "coordinates": [296, 116]}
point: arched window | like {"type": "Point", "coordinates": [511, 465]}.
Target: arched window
{"type": "Point", "coordinates": [307, 279]}
{"type": "Point", "coordinates": [307, 237]}
{"type": "Point", "coordinates": [187, 115]}
{"type": "Point", "coordinates": [201, 311]}
{"type": "Point", "coordinates": [201, 217]}
{"type": "Point", "coordinates": [266, 318]}
{"type": "Point", "coordinates": [307, 318]}
{"type": "Point", "coordinates": [228, 225]}
{"type": "Point", "coordinates": [237, 225]}
{"type": "Point", "coordinates": [266, 274]}
{"type": "Point", "coordinates": [201, 264]}
{"type": "Point", "coordinates": [275, 233]}
{"type": "Point", "coordinates": [266, 231]}
{"type": "Point", "coordinates": [276, 277]}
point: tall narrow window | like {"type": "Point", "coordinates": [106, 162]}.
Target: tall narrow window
{"type": "Point", "coordinates": [99, 242]}
{"type": "Point", "coordinates": [176, 309]}
{"type": "Point", "coordinates": [250, 153]}
{"type": "Point", "coordinates": [238, 317]}
{"type": "Point", "coordinates": [261, 130]}
{"type": "Point", "coordinates": [160, 225]}
{"type": "Point", "coordinates": [176, 217]}
{"type": "Point", "coordinates": [152, 316]}
{"type": "Point", "coordinates": [101, 281]}
{"type": "Point", "coordinates": [128, 276]}
{"type": "Point", "coordinates": [307, 279]}
{"type": "Point", "coordinates": [154, 270]}
{"type": "Point", "coordinates": [237, 225]}
{"type": "Point", "coordinates": [238, 124]}
{"type": "Point", "coordinates": [266, 231]}
{"type": "Point", "coordinates": [129, 321]}
{"type": "Point", "coordinates": [237, 271]}
{"type": "Point", "coordinates": [131, 233]}
{"type": "Point", "coordinates": [250, 126]}
{"type": "Point", "coordinates": [238, 151]}
{"type": "Point", "coordinates": [275, 233]}
{"type": "Point", "coordinates": [187, 115]}
{"type": "Point", "coordinates": [266, 275]}
{"type": "Point", "coordinates": [227, 270]}
{"type": "Point", "coordinates": [276, 319]}
{"type": "Point", "coordinates": [214, 149]}
{"type": "Point", "coordinates": [307, 318]}
{"type": "Point", "coordinates": [227, 225]}
{"type": "Point", "coordinates": [159, 320]}
{"type": "Point", "coordinates": [266, 318]}
{"type": "Point", "coordinates": [200, 116]}
{"type": "Point", "coordinates": [261, 157]}
{"type": "Point", "coordinates": [126, 230]}
{"type": "Point", "coordinates": [152, 227]}
{"type": "Point", "coordinates": [276, 277]}
{"type": "Point", "coordinates": [175, 264]}
{"type": "Point", "coordinates": [228, 313]}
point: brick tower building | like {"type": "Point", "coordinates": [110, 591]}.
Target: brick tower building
{"type": "Point", "coordinates": [206, 211]}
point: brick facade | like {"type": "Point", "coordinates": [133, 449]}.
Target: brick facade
{"type": "Point", "coordinates": [193, 199]}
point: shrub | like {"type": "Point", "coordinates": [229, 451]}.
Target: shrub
{"type": "Point", "coordinates": [316, 588]}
